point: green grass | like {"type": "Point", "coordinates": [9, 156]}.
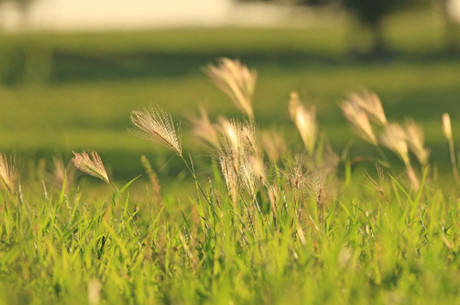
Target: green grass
{"type": "Point", "coordinates": [65, 92]}
{"type": "Point", "coordinates": [361, 242]}
{"type": "Point", "coordinates": [348, 240]}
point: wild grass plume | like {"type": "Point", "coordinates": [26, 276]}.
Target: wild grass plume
{"type": "Point", "coordinates": [371, 104]}
{"type": "Point", "coordinates": [447, 130]}
{"type": "Point", "coordinates": [90, 164]}
{"type": "Point", "coordinates": [154, 124]}
{"type": "Point", "coordinates": [416, 140]}
{"type": "Point", "coordinates": [359, 120]}
{"type": "Point", "coordinates": [305, 121]}
{"type": "Point", "coordinates": [236, 80]}
{"type": "Point", "coordinates": [8, 174]}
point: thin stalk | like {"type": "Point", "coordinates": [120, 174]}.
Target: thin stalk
{"type": "Point", "coordinates": [412, 176]}
{"type": "Point", "coordinates": [453, 161]}
{"type": "Point", "coordinates": [197, 182]}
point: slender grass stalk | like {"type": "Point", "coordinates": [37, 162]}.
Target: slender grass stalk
{"type": "Point", "coordinates": [447, 129]}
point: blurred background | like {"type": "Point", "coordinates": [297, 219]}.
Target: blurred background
{"type": "Point", "coordinates": [71, 71]}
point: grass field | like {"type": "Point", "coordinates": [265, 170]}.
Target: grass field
{"type": "Point", "coordinates": [312, 227]}
{"type": "Point", "coordinates": [75, 91]}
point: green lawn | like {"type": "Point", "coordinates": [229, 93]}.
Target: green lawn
{"type": "Point", "coordinates": [65, 92]}
{"type": "Point", "coordinates": [305, 230]}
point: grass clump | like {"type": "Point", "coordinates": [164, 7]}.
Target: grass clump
{"type": "Point", "coordinates": [269, 225]}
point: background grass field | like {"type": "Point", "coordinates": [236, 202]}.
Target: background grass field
{"type": "Point", "coordinates": [64, 92]}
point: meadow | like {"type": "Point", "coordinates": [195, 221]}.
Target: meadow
{"type": "Point", "coordinates": [349, 206]}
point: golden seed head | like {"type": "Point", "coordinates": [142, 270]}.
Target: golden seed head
{"type": "Point", "coordinates": [359, 120]}
{"type": "Point", "coordinates": [156, 125]}
{"type": "Point", "coordinates": [370, 102]}
{"type": "Point", "coordinates": [273, 144]}
{"type": "Point", "coordinates": [90, 164]}
{"type": "Point", "coordinates": [446, 126]}
{"type": "Point", "coordinates": [394, 138]}
{"type": "Point", "coordinates": [8, 174]}
{"type": "Point", "coordinates": [305, 121]}
{"type": "Point", "coordinates": [203, 129]}
{"type": "Point", "coordinates": [416, 140]}
{"type": "Point", "coordinates": [235, 80]}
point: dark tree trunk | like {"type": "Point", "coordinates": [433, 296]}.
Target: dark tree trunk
{"type": "Point", "coordinates": [379, 46]}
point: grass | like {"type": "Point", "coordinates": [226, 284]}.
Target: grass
{"type": "Point", "coordinates": [79, 89]}
{"type": "Point", "coordinates": [362, 248]}
{"type": "Point", "coordinates": [309, 229]}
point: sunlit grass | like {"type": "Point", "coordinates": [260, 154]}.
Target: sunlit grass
{"type": "Point", "coordinates": [311, 225]}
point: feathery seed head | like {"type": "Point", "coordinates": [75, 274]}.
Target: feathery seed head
{"type": "Point", "coordinates": [305, 121]}
{"type": "Point", "coordinates": [90, 164]}
{"type": "Point", "coordinates": [296, 174]}
{"type": "Point", "coordinates": [235, 80]}
{"type": "Point", "coordinates": [203, 129]}
{"type": "Point", "coordinates": [416, 140]}
{"type": "Point", "coordinates": [370, 103]}
{"type": "Point", "coordinates": [273, 144]}
{"type": "Point", "coordinates": [231, 133]}
{"type": "Point", "coordinates": [394, 138]}
{"type": "Point", "coordinates": [239, 137]}
{"type": "Point", "coordinates": [156, 125]}
{"type": "Point", "coordinates": [256, 167]}
{"type": "Point", "coordinates": [359, 120]}
{"type": "Point", "coordinates": [446, 126]}
{"type": "Point", "coordinates": [8, 174]}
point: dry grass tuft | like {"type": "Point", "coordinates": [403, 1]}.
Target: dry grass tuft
{"type": "Point", "coordinates": [8, 174]}
{"type": "Point", "coordinates": [156, 125]}
{"type": "Point", "coordinates": [369, 102]}
{"type": "Point", "coordinates": [446, 126]}
{"type": "Point", "coordinates": [359, 119]}
{"type": "Point", "coordinates": [394, 138]}
{"type": "Point", "coordinates": [90, 164]}
{"type": "Point", "coordinates": [235, 80]}
{"type": "Point", "coordinates": [305, 121]}
{"type": "Point", "coordinates": [203, 129]}
{"type": "Point", "coordinates": [416, 140]}
{"type": "Point", "coordinates": [273, 144]}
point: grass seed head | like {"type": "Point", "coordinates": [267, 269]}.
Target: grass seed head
{"type": "Point", "coordinates": [305, 121]}
{"type": "Point", "coordinates": [446, 126]}
{"type": "Point", "coordinates": [156, 125]}
{"type": "Point", "coordinates": [416, 140]}
{"type": "Point", "coordinates": [90, 164]}
{"type": "Point", "coordinates": [359, 120]}
{"type": "Point", "coordinates": [394, 138]}
{"type": "Point", "coordinates": [230, 175]}
{"type": "Point", "coordinates": [235, 80]}
{"type": "Point", "coordinates": [203, 129]}
{"type": "Point", "coordinates": [8, 174]}
{"type": "Point", "coordinates": [370, 103]}
{"type": "Point", "coordinates": [273, 144]}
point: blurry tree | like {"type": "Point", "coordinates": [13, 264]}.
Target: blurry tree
{"type": "Point", "coordinates": [370, 13]}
